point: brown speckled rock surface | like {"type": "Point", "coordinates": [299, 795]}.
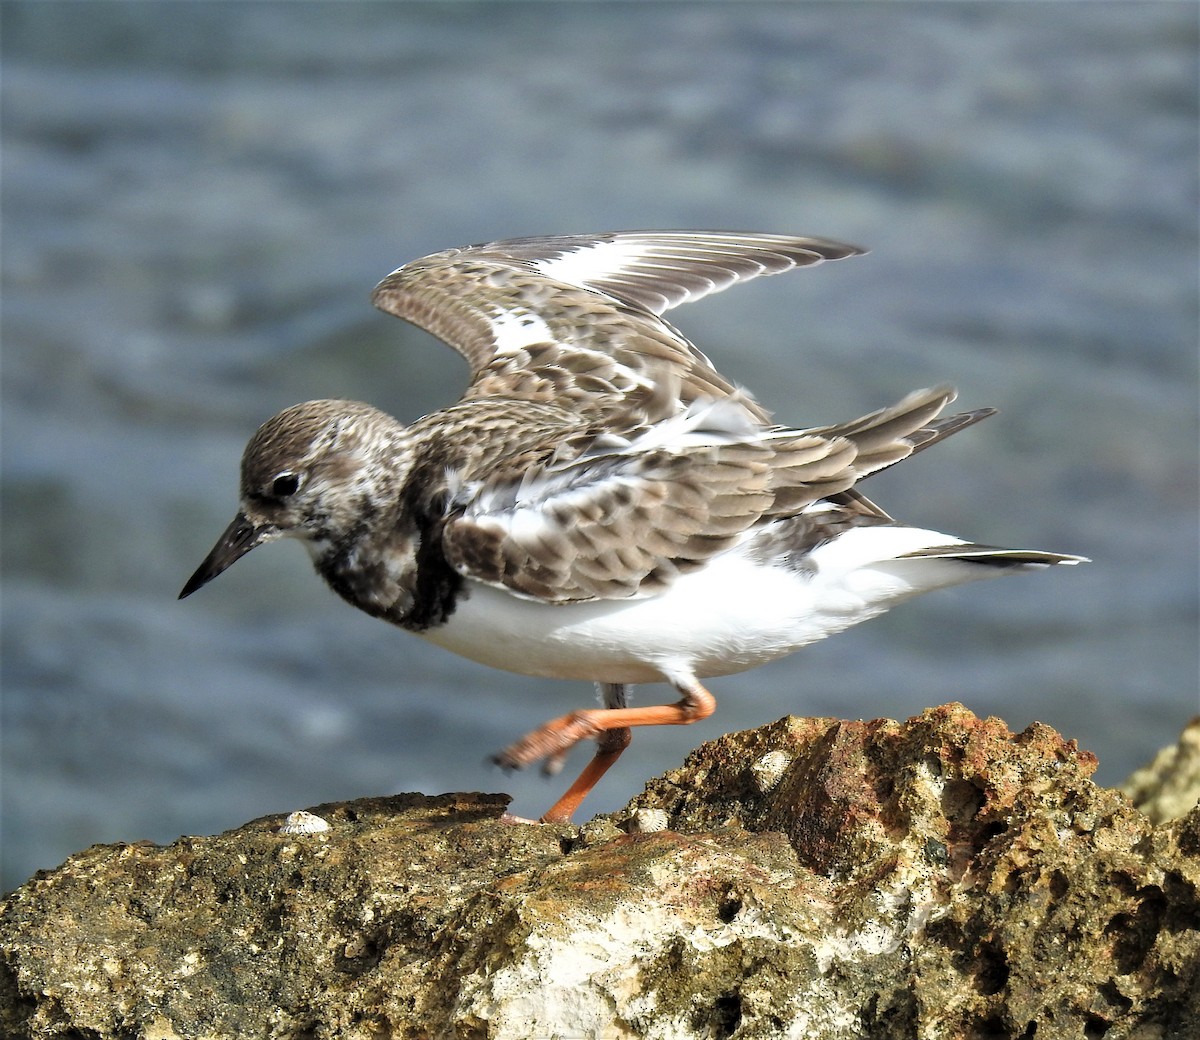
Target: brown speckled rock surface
{"type": "Point", "coordinates": [1169, 787]}
{"type": "Point", "coordinates": [939, 878]}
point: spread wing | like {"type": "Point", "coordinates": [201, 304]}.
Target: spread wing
{"type": "Point", "coordinates": [623, 520]}
{"type": "Point", "coordinates": [576, 319]}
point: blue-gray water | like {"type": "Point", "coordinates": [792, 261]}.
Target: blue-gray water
{"type": "Point", "coordinates": [197, 199]}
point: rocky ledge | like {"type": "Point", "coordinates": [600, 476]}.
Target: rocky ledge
{"type": "Point", "coordinates": [938, 878]}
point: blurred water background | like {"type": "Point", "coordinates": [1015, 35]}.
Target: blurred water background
{"type": "Point", "coordinates": [198, 197]}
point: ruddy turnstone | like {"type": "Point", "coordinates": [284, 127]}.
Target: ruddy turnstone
{"type": "Point", "coordinates": [602, 504]}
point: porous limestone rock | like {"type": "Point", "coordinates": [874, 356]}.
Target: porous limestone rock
{"type": "Point", "coordinates": [1169, 787]}
{"type": "Point", "coordinates": [815, 879]}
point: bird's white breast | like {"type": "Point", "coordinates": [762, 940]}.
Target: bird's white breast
{"type": "Point", "coordinates": [735, 613]}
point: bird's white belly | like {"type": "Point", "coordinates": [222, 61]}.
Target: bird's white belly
{"type": "Point", "coordinates": [733, 614]}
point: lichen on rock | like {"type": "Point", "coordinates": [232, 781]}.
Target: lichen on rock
{"type": "Point", "coordinates": [814, 878]}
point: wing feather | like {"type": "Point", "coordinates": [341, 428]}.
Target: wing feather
{"type": "Point", "coordinates": [640, 461]}
{"type": "Point", "coordinates": [624, 520]}
{"type": "Point", "coordinates": [577, 318]}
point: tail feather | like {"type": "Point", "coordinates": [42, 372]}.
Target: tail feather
{"type": "Point", "coordinates": [994, 556]}
{"type": "Point", "coordinates": [929, 435]}
{"type": "Point", "coordinates": [887, 426]}
{"type": "Point", "coordinates": [890, 435]}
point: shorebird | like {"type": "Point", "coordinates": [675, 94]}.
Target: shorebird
{"type": "Point", "coordinates": [601, 504]}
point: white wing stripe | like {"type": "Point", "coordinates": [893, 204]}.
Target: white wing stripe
{"type": "Point", "coordinates": [514, 330]}
{"type": "Point", "coordinates": [580, 266]}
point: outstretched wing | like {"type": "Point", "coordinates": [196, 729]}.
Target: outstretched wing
{"type": "Point", "coordinates": [623, 520]}
{"type": "Point", "coordinates": [576, 319]}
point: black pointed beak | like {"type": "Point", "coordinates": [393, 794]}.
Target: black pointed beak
{"type": "Point", "coordinates": [239, 538]}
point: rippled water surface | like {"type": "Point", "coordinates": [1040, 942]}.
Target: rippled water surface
{"type": "Point", "coordinates": [197, 199]}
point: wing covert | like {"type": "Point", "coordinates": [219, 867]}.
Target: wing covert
{"type": "Point", "coordinates": [623, 517]}
{"type": "Point", "coordinates": [624, 521]}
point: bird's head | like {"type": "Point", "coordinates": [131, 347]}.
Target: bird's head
{"type": "Point", "coordinates": [316, 471]}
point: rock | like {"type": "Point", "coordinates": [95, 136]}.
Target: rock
{"type": "Point", "coordinates": [1169, 787]}
{"type": "Point", "coordinates": [937, 878]}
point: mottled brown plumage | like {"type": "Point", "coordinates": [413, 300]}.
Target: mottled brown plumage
{"type": "Point", "coordinates": [605, 339]}
{"type": "Point", "coordinates": [602, 503]}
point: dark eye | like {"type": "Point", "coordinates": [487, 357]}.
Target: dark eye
{"type": "Point", "coordinates": [285, 485]}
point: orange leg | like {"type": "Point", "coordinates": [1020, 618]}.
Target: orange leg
{"type": "Point", "coordinates": [609, 746]}
{"type": "Point", "coordinates": [551, 740]}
